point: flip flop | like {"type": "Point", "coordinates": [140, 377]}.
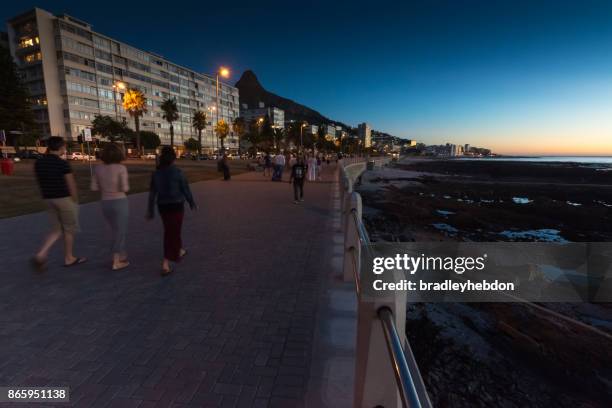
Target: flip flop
{"type": "Point", "coordinates": [76, 262]}
{"type": "Point", "coordinates": [38, 265]}
{"type": "Point", "coordinates": [118, 268]}
{"type": "Point", "coordinates": [184, 253]}
{"type": "Point", "coordinates": [166, 272]}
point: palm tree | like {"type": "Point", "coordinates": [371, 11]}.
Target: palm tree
{"type": "Point", "coordinates": [135, 103]}
{"type": "Point", "coordinates": [171, 115]}
{"type": "Point", "coordinates": [198, 121]}
{"type": "Point", "coordinates": [279, 134]}
{"type": "Point", "coordinates": [222, 129]}
{"type": "Point", "coordinates": [239, 127]}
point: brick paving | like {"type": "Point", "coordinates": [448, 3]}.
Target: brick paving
{"type": "Point", "coordinates": [233, 327]}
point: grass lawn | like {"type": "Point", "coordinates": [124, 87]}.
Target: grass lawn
{"type": "Point", "coordinates": [20, 194]}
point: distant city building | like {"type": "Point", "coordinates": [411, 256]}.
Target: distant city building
{"type": "Point", "coordinates": [330, 131]}
{"type": "Point", "coordinates": [276, 115]}
{"type": "Point", "coordinates": [74, 73]}
{"type": "Point", "coordinates": [311, 130]}
{"type": "Point", "coordinates": [364, 131]}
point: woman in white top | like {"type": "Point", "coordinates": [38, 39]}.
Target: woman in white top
{"type": "Point", "coordinates": [312, 168]}
{"type": "Point", "coordinates": [111, 179]}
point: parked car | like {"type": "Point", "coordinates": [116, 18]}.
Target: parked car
{"type": "Point", "coordinates": [149, 156]}
{"type": "Point", "coordinates": [80, 156]}
{"type": "Point", "coordinates": [200, 157]}
{"type": "Point", "coordinates": [28, 154]}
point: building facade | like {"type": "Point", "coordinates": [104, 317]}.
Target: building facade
{"type": "Point", "coordinates": [364, 131]}
{"type": "Point", "coordinates": [74, 73]}
{"type": "Point", "coordinates": [276, 115]}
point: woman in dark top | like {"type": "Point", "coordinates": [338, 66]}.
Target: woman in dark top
{"type": "Point", "coordinates": [170, 190]}
{"type": "Point", "coordinates": [225, 167]}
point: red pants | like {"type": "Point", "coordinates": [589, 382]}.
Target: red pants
{"type": "Point", "coordinates": [173, 222]}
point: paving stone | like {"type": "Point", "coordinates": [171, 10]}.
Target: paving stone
{"type": "Point", "coordinates": [233, 326]}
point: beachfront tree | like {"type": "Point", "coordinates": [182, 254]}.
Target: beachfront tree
{"type": "Point", "coordinates": [135, 103]}
{"type": "Point", "coordinates": [198, 121]}
{"type": "Point", "coordinates": [108, 128]}
{"type": "Point", "coordinates": [192, 145]}
{"type": "Point", "coordinates": [239, 128]}
{"type": "Point", "coordinates": [171, 115]}
{"type": "Point", "coordinates": [150, 140]}
{"type": "Point", "coordinates": [279, 136]}
{"type": "Point", "coordinates": [222, 130]}
{"type": "Point", "coordinates": [15, 107]}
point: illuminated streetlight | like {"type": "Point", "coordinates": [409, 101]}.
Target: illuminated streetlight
{"type": "Point", "coordinates": [225, 73]}
{"type": "Point", "coordinates": [304, 124]}
{"type": "Point", "coordinates": [117, 85]}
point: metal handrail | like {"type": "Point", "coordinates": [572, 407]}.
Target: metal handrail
{"type": "Point", "coordinates": [405, 382]}
{"type": "Point", "coordinates": [411, 387]}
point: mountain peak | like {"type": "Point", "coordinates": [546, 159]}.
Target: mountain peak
{"type": "Point", "coordinates": [248, 79]}
{"type": "Point", "coordinates": [252, 93]}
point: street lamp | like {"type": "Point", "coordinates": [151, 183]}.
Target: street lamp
{"type": "Point", "coordinates": [224, 72]}
{"type": "Point", "coordinates": [121, 86]}
{"type": "Point", "coordinates": [301, 135]}
{"type": "Point", "coordinates": [212, 109]}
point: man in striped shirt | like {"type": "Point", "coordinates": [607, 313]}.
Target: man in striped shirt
{"type": "Point", "coordinates": [58, 189]}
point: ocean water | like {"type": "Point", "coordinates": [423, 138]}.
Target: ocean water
{"type": "Point", "coordinates": [564, 159]}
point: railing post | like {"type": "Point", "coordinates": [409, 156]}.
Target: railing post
{"type": "Point", "coordinates": [352, 245]}
{"type": "Point", "coordinates": [346, 202]}
{"type": "Point", "coordinates": [374, 371]}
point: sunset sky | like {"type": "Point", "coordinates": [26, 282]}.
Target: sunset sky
{"type": "Point", "coordinates": [523, 77]}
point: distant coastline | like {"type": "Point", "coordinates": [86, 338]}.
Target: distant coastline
{"type": "Point", "coordinates": [548, 159]}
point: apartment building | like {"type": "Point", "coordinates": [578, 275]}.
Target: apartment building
{"type": "Point", "coordinates": [276, 115]}
{"type": "Point", "coordinates": [364, 131]}
{"type": "Point", "coordinates": [74, 73]}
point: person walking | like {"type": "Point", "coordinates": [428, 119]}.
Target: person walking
{"type": "Point", "coordinates": [170, 189]}
{"type": "Point", "coordinates": [279, 163]}
{"type": "Point", "coordinates": [58, 189]}
{"type": "Point", "coordinates": [111, 179]}
{"type": "Point", "coordinates": [267, 165]}
{"type": "Point", "coordinates": [298, 175]}
{"type": "Point", "coordinates": [224, 166]}
{"type": "Point", "coordinates": [312, 168]}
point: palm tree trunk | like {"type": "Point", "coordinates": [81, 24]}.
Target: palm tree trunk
{"type": "Point", "coordinates": [222, 146]}
{"type": "Point", "coordinates": [137, 125]}
{"type": "Point", "coordinates": [199, 143]}
{"type": "Point", "coordinates": [171, 135]}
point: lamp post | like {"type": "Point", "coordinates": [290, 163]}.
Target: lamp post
{"type": "Point", "coordinates": [224, 72]}
{"type": "Point", "coordinates": [117, 85]}
{"type": "Point", "coordinates": [212, 109]}
{"type": "Point", "coordinates": [302, 136]}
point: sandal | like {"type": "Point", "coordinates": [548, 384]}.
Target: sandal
{"type": "Point", "coordinates": [122, 265]}
{"type": "Point", "coordinates": [77, 261]}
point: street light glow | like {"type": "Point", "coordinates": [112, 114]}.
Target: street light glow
{"type": "Point", "coordinates": [119, 85]}
{"type": "Point", "coordinates": [224, 72]}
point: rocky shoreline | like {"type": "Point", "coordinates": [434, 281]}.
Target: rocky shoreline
{"type": "Point", "coordinates": [498, 354]}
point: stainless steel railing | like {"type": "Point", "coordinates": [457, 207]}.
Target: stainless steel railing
{"type": "Point", "coordinates": [410, 385]}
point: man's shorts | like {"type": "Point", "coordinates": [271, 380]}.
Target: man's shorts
{"type": "Point", "coordinates": [63, 214]}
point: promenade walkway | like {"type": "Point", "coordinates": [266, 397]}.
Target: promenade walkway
{"type": "Point", "coordinates": [255, 315]}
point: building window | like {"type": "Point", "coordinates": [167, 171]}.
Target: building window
{"type": "Point", "coordinates": [33, 57]}
{"type": "Point", "coordinates": [28, 42]}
